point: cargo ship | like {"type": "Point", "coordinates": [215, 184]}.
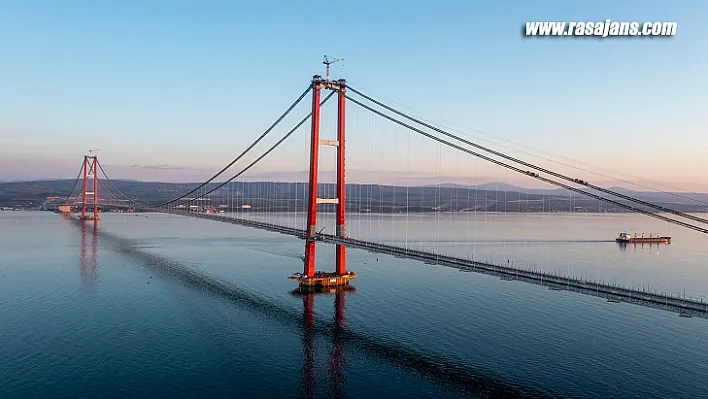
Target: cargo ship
{"type": "Point", "coordinates": [625, 238]}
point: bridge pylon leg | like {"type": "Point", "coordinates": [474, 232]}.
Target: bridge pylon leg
{"type": "Point", "coordinates": [311, 232]}
{"type": "Point", "coordinates": [83, 194]}
{"type": "Point", "coordinates": [309, 277]}
{"type": "Point", "coordinates": [95, 188]}
{"type": "Point", "coordinates": [341, 190]}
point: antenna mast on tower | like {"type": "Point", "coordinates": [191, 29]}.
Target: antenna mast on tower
{"type": "Point", "coordinates": [328, 62]}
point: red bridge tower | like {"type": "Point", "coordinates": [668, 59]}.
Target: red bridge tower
{"type": "Point", "coordinates": [90, 169]}
{"type": "Point", "coordinates": [340, 277]}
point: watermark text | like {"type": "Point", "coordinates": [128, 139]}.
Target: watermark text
{"type": "Point", "coordinates": [600, 29]}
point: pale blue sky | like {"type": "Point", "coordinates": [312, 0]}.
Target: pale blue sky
{"type": "Point", "coordinates": [189, 84]}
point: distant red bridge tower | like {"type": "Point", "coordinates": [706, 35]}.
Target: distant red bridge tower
{"type": "Point", "coordinates": [90, 173]}
{"type": "Point", "coordinates": [340, 277]}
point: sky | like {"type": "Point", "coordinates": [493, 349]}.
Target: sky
{"type": "Point", "coordinates": [174, 90]}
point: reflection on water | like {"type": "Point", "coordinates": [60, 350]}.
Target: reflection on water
{"type": "Point", "coordinates": [308, 346]}
{"type": "Point", "coordinates": [309, 332]}
{"type": "Point", "coordinates": [89, 262]}
{"type": "Point", "coordinates": [337, 356]}
{"type": "Point", "coordinates": [642, 246]}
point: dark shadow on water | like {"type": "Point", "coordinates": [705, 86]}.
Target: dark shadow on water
{"type": "Point", "coordinates": [436, 369]}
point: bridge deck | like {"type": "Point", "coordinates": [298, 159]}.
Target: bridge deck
{"type": "Point", "coordinates": [659, 300]}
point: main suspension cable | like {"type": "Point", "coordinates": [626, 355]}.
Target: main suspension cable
{"type": "Point", "coordinates": [258, 140]}
{"type": "Point", "coordinates": [116, 187]}
{"type": "Point", "coordinates": [103, 186]}
{"type": "Point", "coordinates": [75, 183]}
{"type": "Point", "coordinates": [511, 145]}
{"type": "Point", "coordinates": [260, 157]}
{"type": "Point", "coordinates": [529, 173]}
{"type": "Point", "coordinates": [532, 166]}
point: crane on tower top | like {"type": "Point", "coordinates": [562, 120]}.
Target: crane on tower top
{"type": "Point", "coordinates": [328, 62]}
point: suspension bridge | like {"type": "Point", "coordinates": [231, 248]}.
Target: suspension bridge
{"type": "Point", "coordinates": [317, 201]}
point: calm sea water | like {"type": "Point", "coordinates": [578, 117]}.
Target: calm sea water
{"type": "Point", "coordinates": [166, 306]}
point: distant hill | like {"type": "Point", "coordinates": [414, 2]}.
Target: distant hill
{"type": "Point", "coordinates": [360, 197]}
{"type": "Point", "coordinates": [650, 196]}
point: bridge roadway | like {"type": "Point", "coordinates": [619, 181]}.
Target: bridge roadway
{"type": "Point", "coordinates": [685, 307]}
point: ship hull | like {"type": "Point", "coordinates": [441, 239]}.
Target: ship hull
{"type": "Point", "coordinates": [659, 240]}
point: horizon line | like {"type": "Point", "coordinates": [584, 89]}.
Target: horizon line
{"type": "Point", "coordinates": [446, 183]}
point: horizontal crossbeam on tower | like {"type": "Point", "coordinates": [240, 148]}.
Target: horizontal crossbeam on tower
{"type": "Point", "coordinates": [328, 200]}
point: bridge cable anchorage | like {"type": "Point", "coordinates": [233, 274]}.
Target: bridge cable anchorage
{"type": "Point", "coordinates": [529, 173]}
{"type": "Point", "coordinates": [78, 177]}
{"type": "Point", "coordinates": [245, 169]}
{"type": "Point", "coordinates": [532, 166]}
{"type": "Point", "coordinates": [249, 148]}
